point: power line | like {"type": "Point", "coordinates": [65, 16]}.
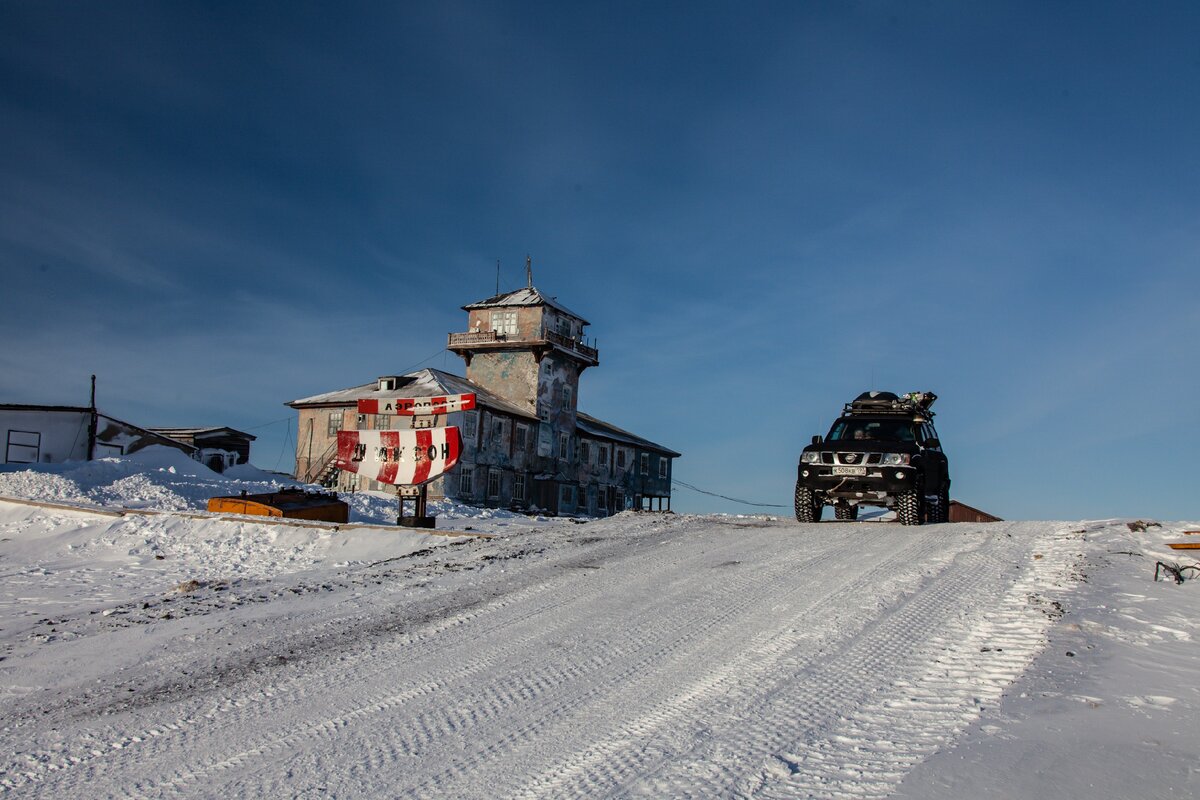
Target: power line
{"type": "Point", "coordinates": [724, 497]}
{"type": "Point", "coordinates": [422, 361]}
{"type": "Point", "coordinates": [272, 422]}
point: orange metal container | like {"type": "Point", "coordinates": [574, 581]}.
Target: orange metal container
{"type": "Point", "coordinates": [290, 503]}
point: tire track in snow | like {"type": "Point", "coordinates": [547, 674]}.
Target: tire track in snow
{"type": "Point", "coordinates": [610, 766]}
{"type": "Point", "coordinates": [491, 703]}
{"type": "Point", "coordinates": [243, 711]}
{"type": "Point", "coordinates": [573, 698]}
{"type": "Point", "coordinates": [968, 665]}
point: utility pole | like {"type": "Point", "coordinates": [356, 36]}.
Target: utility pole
{"type": "Point", "coordinates": [92, 423]}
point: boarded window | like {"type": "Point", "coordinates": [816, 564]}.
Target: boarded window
{"type": "Point", "coordinates": [469, 422]}
{"type": "Point", "coordinates": [564, 446]}
{"type": "Point", "coordinates": [645, 460]}
{"type": "Point", "coordinates": [493, 483]}
{"type": "Point", "coordinates": [602, 456]}
{"type": "Point", "coordinates": [585, 452]}
{"type": "Point", "coordinates": [522, 441]}
{"type": "Point", "coordinates": [466, 477]}
{"type": "Point", "coordinates": [621, 458]}
{"type": "Point", "coordinates": [519, 487]}
{"type": "Point", "coordinates": [662, 466]}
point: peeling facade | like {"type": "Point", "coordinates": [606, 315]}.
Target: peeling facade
{"type": "Point", "coordinates": [526, 445]}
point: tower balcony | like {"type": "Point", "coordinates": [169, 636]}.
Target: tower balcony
{"type": "Point", "coordinates": [471, 342]}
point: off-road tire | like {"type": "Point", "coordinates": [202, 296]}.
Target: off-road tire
{"type": "Point", "coordinates": [933, 510]}
{"type": "Point", "coordinates": [908, 507]}
{"type": "Point", "coordinates": [808, 509]}
{"type": "Point", "coordinates": [845, 512]}
{"type": "Point", "coordinates": [944, 503]}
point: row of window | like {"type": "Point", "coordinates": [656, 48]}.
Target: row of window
{"type": "Point", "coordinates": [568, 495]}
{"type": "Point", "coordinates": [499, 435]}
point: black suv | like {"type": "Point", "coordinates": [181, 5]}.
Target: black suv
{"type": "Point", "coordinates": [882, 451]}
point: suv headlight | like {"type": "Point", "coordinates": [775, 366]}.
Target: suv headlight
{"type": "Point", "coordinates": [811, 457]}
{"type": "Point", "coordinates": [894, 459]}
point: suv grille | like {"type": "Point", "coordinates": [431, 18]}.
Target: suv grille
{"type": "Point", "coordinates": [851, 459]}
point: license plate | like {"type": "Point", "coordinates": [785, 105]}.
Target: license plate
{"type": "Point", "coordinates": [849, 470]}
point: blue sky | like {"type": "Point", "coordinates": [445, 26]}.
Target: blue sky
{"type": "Point", "coordinates": [763, 210]}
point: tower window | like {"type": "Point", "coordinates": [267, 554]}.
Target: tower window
{"type": "Point", "coordinates": [505, 322]}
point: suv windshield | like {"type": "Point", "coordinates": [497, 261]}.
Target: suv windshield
{"type": "Point", "coordinates": [892, 430]}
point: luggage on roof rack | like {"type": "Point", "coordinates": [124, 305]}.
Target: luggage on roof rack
{"type": "Point", "coordinates": [889, 403]}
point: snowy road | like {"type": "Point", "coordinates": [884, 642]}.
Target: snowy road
{"type": "Point", "coordinates": [640, 656]}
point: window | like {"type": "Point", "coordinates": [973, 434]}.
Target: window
{"type": "Point", "coordinates": [469, 420]}
{"type": "Point", "coordinates": [382, 422]}
{"type": "Point", "coordinates": [645, 460]}
{"type": "Point", "coordinates": [621, 458]}
{"type": "Point", "coordinates": [498, 430]}
{"type": "Point", "coordinates": [602, 456]}
{"type": "Point", "coordinates": [519, 486]}
{"type": "Point", "coordinates": [602, 501]}
{"type": "Point", "coordinates": [466, 477]}
{"type": "Point", "coordinates": [564, 446]}
{"type": "Point", "coordinates": [23, 447]}
{"type": "Point", "coordinates": [493, 483]}
{"type": "Point", "coordinates": [564, 327]}
{"type": "Point", "coordinates": [361, 422]}
{"type": "Point", "coordinates": [619, 500]}
{"type": "Point", "coordinates": [662, 466]}
{"type": "Point", "coordinates": [505, 322]}
{"type": "Point", "coordinates": [585, 452]}
{"type": "Point", "coordinates": [335, 422]}
{"type": "Point", "coordinates": [522, 438]}
{"type": "Point", "coordinates": [566, 497]}
{"type": "Point", "coordinates": [568, 397]}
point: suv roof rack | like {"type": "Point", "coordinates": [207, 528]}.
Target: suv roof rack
{"type": "Point", "coordinates": [889, 403]}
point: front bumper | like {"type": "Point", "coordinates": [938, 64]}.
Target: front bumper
{"type": "Point", "coordinates": [879, 485]}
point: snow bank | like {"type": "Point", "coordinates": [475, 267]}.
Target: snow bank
{"type": "Point", "coordinates": [164, 479]}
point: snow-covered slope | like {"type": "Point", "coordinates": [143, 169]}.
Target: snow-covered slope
{"type": "Point", "coordinates": [184, 655]}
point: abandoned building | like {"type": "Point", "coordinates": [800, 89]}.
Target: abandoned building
{"type": "Point", "coordinates": [216, 448]}
{"type": "Point", "coordinates": [525, 445]}
{"type": "Point", "coordinates": [35, 434]}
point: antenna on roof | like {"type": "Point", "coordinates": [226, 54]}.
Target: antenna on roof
{"type": "Point", "coordinates": [528, 272]}
{"type": "Point", "coordinates": [497, 276]}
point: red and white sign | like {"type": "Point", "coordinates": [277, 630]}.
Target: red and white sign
{"type": "Point", "coordinates": [399, 457]}
{"type": "Point", "coordinates": [416, 406]}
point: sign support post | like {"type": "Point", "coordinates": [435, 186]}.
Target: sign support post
{"type": "Point", "coordinates": [418, 497]}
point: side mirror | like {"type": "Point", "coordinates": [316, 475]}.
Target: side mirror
{"type": "Point", "coordinates": [816, 440]}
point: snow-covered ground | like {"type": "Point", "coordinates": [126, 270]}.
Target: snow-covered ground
{"type": "Point", "coordinates": [182, 654]}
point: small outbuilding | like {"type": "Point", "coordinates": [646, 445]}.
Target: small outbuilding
{"type": "Point", "coordinates": [961, 512]}
{"type": "Point", "coordinates": [290, 503]}
{"type": "Point", "coordinates": [216, 448]}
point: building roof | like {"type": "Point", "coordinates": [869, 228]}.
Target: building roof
{"type": "Point", "coordinates": [595, 427]}
{"type": "Point", "coordinates": [29, 407]}
{"type": "Point", "coordinates": [423, 383]}
{"type": "Point", "coordinates": [194, 432]}
{"type": "Point", "coordinates": [525, 296]}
